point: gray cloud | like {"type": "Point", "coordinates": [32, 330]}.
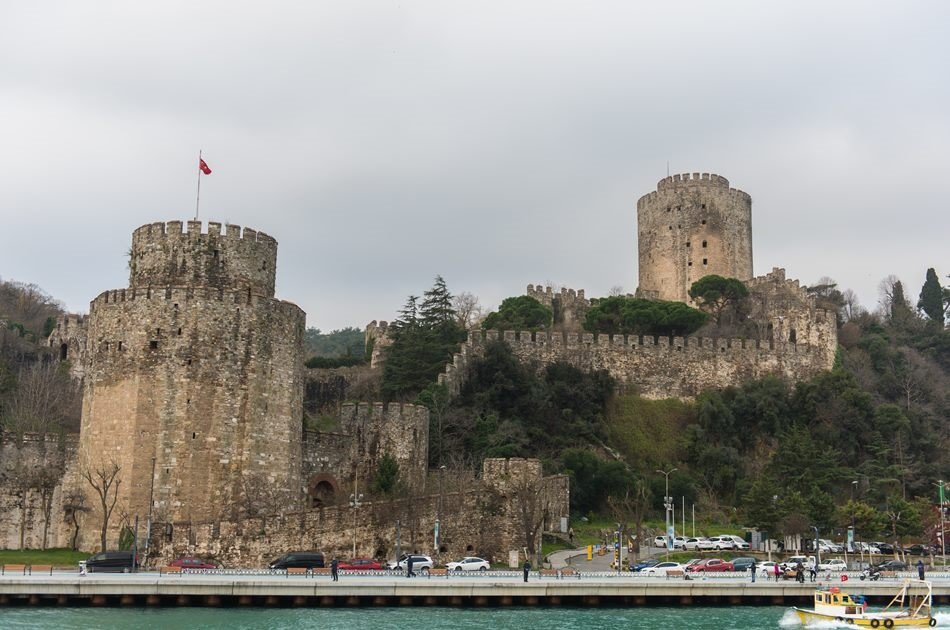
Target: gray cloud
{"type": "Point", "coordinates": [498, 144]}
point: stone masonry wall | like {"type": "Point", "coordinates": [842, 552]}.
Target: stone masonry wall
{"type": "Point", "coordinates": [68, 342]}
{"type": "Point", "coordinates": [163, 255]}
{"type": "Point", "coordinates": [692, 226]}
{"type": "Point", "coordinates": [568, 306]}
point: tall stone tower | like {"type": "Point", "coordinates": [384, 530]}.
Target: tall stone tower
{"type": "Point", "coordinates": [692, 226]}
{"type": "Point", "coordinates": [194, 377]}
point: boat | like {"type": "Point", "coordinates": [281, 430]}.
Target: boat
{"type": "Point", "coordinates": [911, 607]}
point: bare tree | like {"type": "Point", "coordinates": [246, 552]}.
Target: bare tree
{"type": "Point", "coordinates": [74, 504]}
{"type": "Point", "coordinates": [45, 400]}
{"type": "Point", "coordinates": [105, 481]}
{"type": "Point", "coordinates": [468, 312]}
{"type": "Point", "coordinates": [615, 291]}
{"type": "Point", "coordinates": [531, 513]}
{"type": "Point", "coordinates": [851, 306]}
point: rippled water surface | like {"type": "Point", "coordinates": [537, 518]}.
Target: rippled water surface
{"type": "Point", "coordinates": [408, 618]}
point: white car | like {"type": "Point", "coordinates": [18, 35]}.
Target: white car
{"type": "Point", "coordinates": [767, 569]}
{"type": "Point", "coordinates": [420, 563]}
{"type": "Point", "coordinates": [469, 564]}
{"type": "Point", "coordinates": [835, 564]}
{"type": "Point", "coordinates": [678, 542]}
{"type": "Point", "coordinates": [700, 543]}
{"type": "Point", "coordinates": [660, 542]}
{"type": "Point", "coordinates": [739, 543]}
{"type": "Point", "coordinates": [662, 568]}
{"type": "Point", "coordinates": [723, 542]}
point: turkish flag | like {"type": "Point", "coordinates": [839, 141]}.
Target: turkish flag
{"type": "Point", "coordinates": [203, 167]}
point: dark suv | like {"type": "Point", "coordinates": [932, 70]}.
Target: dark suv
{"type": "Point", "coordinates": [300, 560]}
{"type": "Point", "coordinates": [112, 562]}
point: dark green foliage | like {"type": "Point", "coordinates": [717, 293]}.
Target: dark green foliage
{"type": "Point", "coordinates": [334, 362]}
{"type": "Point", "coordinates": [931, 298]}
{"type": "Point", "coordinates": [519, 313]}
{"type": "Point", "coordinates": [714, 294]}
{"type": "Point", "coordinates": [345, 342]}
{"type": "Point", "coordinates": [386, 481]}
{"type": "Point", "coordinates": [424, 338]}
{"type": "Point", "coordinates": [634, 316]}
{"type": "Point", "coordinates": [518, 412]}
{"type": "Point", "coordinates": [594, 479]}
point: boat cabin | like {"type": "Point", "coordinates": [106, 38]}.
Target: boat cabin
{"type": "Point", "coordinates": [834, 602]}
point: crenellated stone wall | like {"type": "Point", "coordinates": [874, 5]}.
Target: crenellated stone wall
{"type": "Point", "coordinates": [484, 521]}
{"type": "Point", "coordinates": [568, 306]}
{"type": "Point", "coordinates": [693, 225]}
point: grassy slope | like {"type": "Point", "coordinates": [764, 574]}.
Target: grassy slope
{"type": "Point", "coordinates": [648, 433]}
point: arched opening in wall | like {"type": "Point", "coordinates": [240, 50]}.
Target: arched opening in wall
{"type": "Point", "coordinates": [321, 491]}
{"type": "Point", "coordinates": [792, 337]}
{"type": "Point", "coordinates": [469, 548]}
{"type": "Point", "coordinates": [63, 352]}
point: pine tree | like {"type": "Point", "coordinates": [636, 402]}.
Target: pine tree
{"type": "Point", "coordinates": [931, 297]}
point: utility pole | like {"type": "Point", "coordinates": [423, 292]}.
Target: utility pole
{"type": "Point", "coordinates": [668, 504]}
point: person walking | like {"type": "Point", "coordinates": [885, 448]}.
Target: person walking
{"type": "Point", "coordinates": [527, 569]}
{"type": "Point", "coordinates": [335, 570]}
{"type": "Point", "coordinates": [812, 571]}
{"type": "Point", "coordinates": [778, 571]}
{"type": "Point", "coordinates": [920, 569]}
{"type": "Point", "coordinates": [752, 568]}
{"type": "Point", "coordinates": [570, 534]}
{"type": "Point", "coordinates": [800, 573]}
{"type": "Point", "coordinates": [409, 572]}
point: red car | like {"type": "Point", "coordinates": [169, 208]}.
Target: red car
{"type": "Point", "coordinates": [361, 564]}
{"type": "Point", "coordinates": [710, 565]}
{"type": "Point", "coordinates": [192, 563]}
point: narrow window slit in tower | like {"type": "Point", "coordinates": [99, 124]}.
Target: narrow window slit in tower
{"type": "Point", "coordinates": [703, 221]}
{"type": "Point", "coordinates": [704, 207]}
{"type": "Point", "coordinates": [153, 345]}
{"type": "Point", "coordinates": [120, 346]}
{"type": "Point", "coordinates": [194, 435]}
{"type": "Point", "coordinates": [179, 332]}
{"type": "Point", "coordinates": [705, 261]}
{"type": "Point", "coordinates": [215, 254]}
{"type": "Point", "coordinates": [689, 264]}
{"type": "Point", "coordinates": [704, 244]}
{"type": "Point", "coordinates": [687, 244]}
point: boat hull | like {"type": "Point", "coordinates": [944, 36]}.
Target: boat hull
{"type": "Point", "coordinates": [867, 620]}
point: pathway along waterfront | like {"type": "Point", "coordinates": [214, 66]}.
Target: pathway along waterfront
{"type": "Point", "coordinates": [495, 589]}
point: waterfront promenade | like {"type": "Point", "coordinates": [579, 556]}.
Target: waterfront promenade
{"type": "Point", "coordinates": [494, 588]}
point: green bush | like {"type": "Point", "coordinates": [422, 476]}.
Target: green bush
{"type": "Point", "coordinates": [635, 316]}
{"type": "Point", "coordinates": [519, 313]}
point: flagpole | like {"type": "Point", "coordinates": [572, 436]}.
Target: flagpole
{"type": "Point", "coordinates": [198, 195]}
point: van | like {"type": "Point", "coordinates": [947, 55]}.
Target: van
{"type": "Point", "coordinates": [112, 562]}
{"type": "Point", "coordinates": [300, 560]}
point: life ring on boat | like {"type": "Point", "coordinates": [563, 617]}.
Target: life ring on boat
{"type": "Point", "coordinates": [932, 622]}
{"type": "Point", "coordinates": [888, 623]}
{"type": "Point", "coordinates": [844, 578]}
{"type": "Point", "coordinates": [835, 589]}
{"type": "Point", "coordinates": [875, 623]}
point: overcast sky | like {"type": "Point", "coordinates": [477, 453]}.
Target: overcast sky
{"type": "Point", "coordinates": [495, 143]}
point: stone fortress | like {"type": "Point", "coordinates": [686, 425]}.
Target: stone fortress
{"type": "Point", "coordinates": [193, 386]}
{"type": "Point", "coordinates": [693, 225]}
{"type": "Point", "coordinates": [193, 391]}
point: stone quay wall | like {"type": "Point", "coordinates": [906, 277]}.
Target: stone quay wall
{"type": "Point", "coordinates": [693, 225]}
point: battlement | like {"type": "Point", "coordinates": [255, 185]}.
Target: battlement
{"type": "Point", "coordinates": [692, 180]}
{"type": "Point", "coordinates": [176, 253]}
{"type": "Point", "coordinates": [183, 295]}
{"type": "Point", "coordinates": [391, 411]}
{"type": "Point", "coordinates": [173, 229]}
{"type": "Point", "coordinates": [69, 441]}
{"type": "Point", "coordinates": [70, 321]}
{"type": "Point", "coordinates": [545, 294]}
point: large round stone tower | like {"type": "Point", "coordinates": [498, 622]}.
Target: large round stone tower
{"type": "Point", "coordinates": [194, 377]}
{"type": "Point", "coordinates": [692, 226]}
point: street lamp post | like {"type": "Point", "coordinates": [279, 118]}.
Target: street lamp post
{"type": "Point", "coordinates": [668, 505]}
{"type": "Point", "coordinates": [943, 530]}
{"type": "Point", "coordinates": [356, 502]}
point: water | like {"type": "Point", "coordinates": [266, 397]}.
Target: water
{"type": "Point", "coordinates": [649, 618]}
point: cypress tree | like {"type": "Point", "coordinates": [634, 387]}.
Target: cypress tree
{"type": "Point", "coordinates": [931, 297]}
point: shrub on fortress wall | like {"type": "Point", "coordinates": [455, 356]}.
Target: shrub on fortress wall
{"type": "Point", "coordinates": [519, 313]}
{"type": "Point", "coordinates": [624, 315]}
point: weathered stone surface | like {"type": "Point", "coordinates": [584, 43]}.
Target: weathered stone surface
{"type": "Point", "coordinates": [694, 225]}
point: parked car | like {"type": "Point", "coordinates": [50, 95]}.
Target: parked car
{"type": "Point", "coordinates": [739, 542]}
{"type": "Point", "coordinates": [662, 567]}
{"type": "Point", "coordinates": [826, 546]}
{"type": "Point", "coordinates": [660, 542]}
{"type": "Point", "coordinates": [191, 563]}
{"type": "Point", "coordinates": [679, 542]}
{"type": "Point", "coordinates": [721, 543]}
{"type": "Point", "coordinates": [893, 565]}
{"type": "Point", "coordinates": [640, 566]}
{"type": "Point", "coordinates": [422, 564]}
{"type": "Point", "coordinates": [360, 564]}
{"type": "Point", "coordinates": [863, 547]}
{"type": "Point", "coordinates": [700, 543]}
{"type": "Point", "coordinates": [886, 548]}
{"type": "Point", "coordinates": [112, 562]}
{"type": "Point", "coordinates": [710, 565]}
{"type": "Point", "coordinates": [793, 561]}
{"type": "Point", "coordinates": [470, 563]}
{"type": "Point", "coordinates": [743, 564]}
{"type": "Point", "coordinates": [918, 550]}
{"type": "Point", "coordinates": [835, 564]}
{"type": "Point", "coordinates": [767, 569]}
{"type": "Point", "coordinates": [300, 560]}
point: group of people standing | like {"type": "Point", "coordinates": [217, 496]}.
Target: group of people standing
{"type": "Point", "coordinates": [776, 570]}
